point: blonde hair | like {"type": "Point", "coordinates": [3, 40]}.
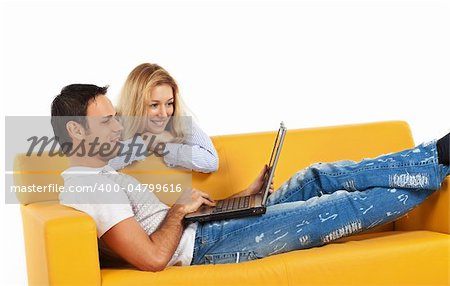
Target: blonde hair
{"type": "Point", "coordinates": [135, 95]}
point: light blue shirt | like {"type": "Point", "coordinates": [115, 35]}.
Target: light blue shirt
{"type": "Point", "coordinates": [197, 153]}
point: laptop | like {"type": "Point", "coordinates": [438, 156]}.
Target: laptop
{"type": "Point", "coordinates": [247, 205]}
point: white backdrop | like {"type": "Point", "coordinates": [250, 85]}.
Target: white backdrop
{"type": "Point", "coordinates": [241, 66]}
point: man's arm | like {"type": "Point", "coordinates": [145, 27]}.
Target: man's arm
{"type": "Point", "coordinates": [169, 235]}
{"type": "Point", "coordinates": [148, 253]}
{"type": "Point", "coordinates": [152, 253]}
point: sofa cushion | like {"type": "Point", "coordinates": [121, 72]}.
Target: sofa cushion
{"type": "Point", "coordinates": [387, 258]}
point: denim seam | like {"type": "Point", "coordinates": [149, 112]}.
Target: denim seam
{"type": "Point", "coordinates": [198, 237]}
{"type": "Point", "coordinates": [383, 167]}
{"type": "Point", "coordinates": [202, 241]}
{"type": "Point", "coordinates": [378, 168]}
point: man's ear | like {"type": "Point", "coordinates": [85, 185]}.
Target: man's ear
{"type": "Point", "coordinates": [75, 130]}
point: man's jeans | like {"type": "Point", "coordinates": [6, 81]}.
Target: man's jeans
{"type": "Point", "coordinates": [325, 202]}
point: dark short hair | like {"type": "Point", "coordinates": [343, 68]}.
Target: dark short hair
{"type": "Point", "coordinates": [71, 105]}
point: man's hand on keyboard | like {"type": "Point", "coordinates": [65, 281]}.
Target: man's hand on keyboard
{"type": "Point", "coordinates": [191, 200]}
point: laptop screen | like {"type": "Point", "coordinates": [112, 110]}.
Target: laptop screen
{"type": "Point", "coordinates": [268, 176]}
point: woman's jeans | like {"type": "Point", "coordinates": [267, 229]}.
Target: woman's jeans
{"type": "Point", "coordinates": [325, 202]}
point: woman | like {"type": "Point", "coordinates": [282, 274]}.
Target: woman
{"type": "Point", "coordinates": [150, 105]}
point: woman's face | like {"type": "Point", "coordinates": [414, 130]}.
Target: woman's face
{"type": "Point", "coordinates": [159, 108]}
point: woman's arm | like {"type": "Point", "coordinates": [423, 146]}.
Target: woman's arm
{"type": "Point", "coordinates": [133, 150]}
{"type": "Point", "coordinates": [198, 153]}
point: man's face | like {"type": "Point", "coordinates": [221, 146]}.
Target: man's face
{"type": "Point", "coordinates": [103, 128]}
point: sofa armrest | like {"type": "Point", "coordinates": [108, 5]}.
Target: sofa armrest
{"type": "Point", "coordinates": [433, 214]}
{"type": "Point", "coordinates": [61, 245]}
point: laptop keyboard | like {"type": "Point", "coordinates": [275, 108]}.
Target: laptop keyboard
{"type": "Point", "coordinates": [232, 204]}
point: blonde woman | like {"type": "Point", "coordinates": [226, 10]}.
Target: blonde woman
{"type": "Point", "coordinates": [150, 105]}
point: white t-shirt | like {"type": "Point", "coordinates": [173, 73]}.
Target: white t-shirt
{"type": "Point", "coordinates": [102, 194]}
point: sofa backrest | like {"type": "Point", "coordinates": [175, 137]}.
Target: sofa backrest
{"type": "Point", "coordinates": [241, 157]}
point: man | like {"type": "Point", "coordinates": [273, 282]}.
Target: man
{"type": "Point", "coordinates": [315, 206]}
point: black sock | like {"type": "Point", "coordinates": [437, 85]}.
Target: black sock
{"type": "Point", "coordinates": [443, 146]}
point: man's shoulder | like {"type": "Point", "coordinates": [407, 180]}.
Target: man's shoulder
{"type": "Point", "coordinates": [76, 173]}
{"type": "Point", "coordinates": [91, 186]}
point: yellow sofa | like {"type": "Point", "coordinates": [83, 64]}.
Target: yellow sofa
{"type": "Point", "coordinates": [61, 244]}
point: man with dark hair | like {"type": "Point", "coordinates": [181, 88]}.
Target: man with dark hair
{"type": "Point", "coordinates": [315, 206]}
{"type": "Point", "coordinates": [72, 105]}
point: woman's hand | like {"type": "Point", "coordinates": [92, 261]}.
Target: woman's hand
{"type": "Point", "coordinates": [152, 140]}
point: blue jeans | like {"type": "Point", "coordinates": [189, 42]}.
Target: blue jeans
{"type": "Point", "coordinates": [325, 202]}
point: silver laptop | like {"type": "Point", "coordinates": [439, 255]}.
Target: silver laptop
{"type": "Point", "coordinates": [247, 205]}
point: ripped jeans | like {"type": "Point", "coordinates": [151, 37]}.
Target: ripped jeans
{"type": "Point", "coordinates": [325, 202]}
